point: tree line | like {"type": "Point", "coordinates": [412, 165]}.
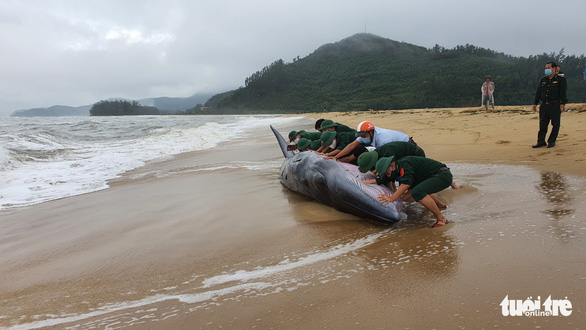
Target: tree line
{"type": "Point", "coordinates": [122, 108]}
{"type": "Point", "coordinates": [366, 71]}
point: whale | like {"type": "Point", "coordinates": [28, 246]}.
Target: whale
{"type": "Point", "coordinates": [335, 184]}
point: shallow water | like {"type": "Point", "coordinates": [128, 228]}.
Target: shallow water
{"type": "Point", "coordinates": [211, 239]}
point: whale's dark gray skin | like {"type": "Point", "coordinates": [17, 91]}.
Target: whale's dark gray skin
{"type": "Point", "coordinates": [336, 184]}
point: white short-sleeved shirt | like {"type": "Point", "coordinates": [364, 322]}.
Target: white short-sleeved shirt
{"type": "Point", "coordinates": [383, 136]}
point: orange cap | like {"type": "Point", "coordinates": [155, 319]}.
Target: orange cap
{"type": "Point", "coordinates": [365, 126]}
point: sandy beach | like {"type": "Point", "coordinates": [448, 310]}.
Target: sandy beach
{"type": "Point", "coordinates": [211, 239]}
{"type": "Point", "coordinates": [473, 135]}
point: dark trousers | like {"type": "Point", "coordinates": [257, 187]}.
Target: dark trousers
{"type": "Point", "coordinates": [549, 112]}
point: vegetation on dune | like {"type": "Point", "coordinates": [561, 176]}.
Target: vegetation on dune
{"type": "Point", "coordinates": [370, 72]}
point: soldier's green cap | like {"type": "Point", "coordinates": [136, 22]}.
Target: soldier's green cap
{"type": "Point", "coordinates": [327, 124]}
{"type": "Point", "coordinates": [327, 138]}
{"type": "Point", "coordinates": [293, 134]}
{"type": "Point", "coordinates": [383, 164]}
{"type": "Point", "coordinates": [303, 143]}
{"type": "Point", "coordinates": [367, 160]}
{"type": "Point", "coordinates": [315, 144]}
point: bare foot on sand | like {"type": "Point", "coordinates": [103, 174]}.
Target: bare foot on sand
{"type": "Point", "coordinates": [440, 223]}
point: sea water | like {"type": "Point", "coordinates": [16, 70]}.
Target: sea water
{"type": "Point", "coordinates": [47, 158]}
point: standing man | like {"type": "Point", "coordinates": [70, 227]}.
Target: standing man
{"type": "Point", "coordinates": [487, 93]}
{"type": "Point", "coordinates": [551, 91]}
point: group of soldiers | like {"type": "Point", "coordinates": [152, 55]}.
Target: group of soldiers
{"type": "Point", "coordinates": [392, 156]}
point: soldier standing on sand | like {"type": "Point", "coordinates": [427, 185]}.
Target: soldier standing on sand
{"type": "Point", "coordinates": [551, 91]}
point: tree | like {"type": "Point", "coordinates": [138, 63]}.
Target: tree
{"type": "Point", "coordinates": [121, 108]}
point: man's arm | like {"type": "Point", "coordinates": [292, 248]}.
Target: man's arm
{"type": "Point", "coordinates": [351, 146]}
{"type": "Point", "coordinates": [330, 155]}
{"type": "Point", "coordinates": [537, 97]}
{"type": "Point", "coordinates": [563, 97]}
{"type": "Point", "coordinates": [321, 150]}
{"type": "Point", "coordinates": [385, 199]}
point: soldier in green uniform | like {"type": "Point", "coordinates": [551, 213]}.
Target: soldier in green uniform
{"type": "Point", "coordinates": [551, 91]}
{"type": "Point", "coordinates": [332, 143]}
{"type": "Point", "coordinates": [398, 149]}
{"type": "Point", "coordinates": [308, 145]}
{"type": "Point", "coordinates": [329, 125]}
{"type": "Point", "coordinates": [367, 160]}
{"type": "Point", "coordinates": [422, 176]}
{"type": "Point", "coordinates": [296, 135]}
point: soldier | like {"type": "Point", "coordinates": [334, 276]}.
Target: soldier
{"type": "Point", "coordinates": [294, 136]}
{"type": "Point", "coordinates": [333, 143]}
{"type": "Point", "coordinates": [367, 160]}
{"type": "Point", "coordinates": [422, 177]}
{"type": "Point", "coordinates": [551, 91]}
{"type": "Point", "coordinates": [308, 145]}
{"type": "Point", "coordinates": [329, 125]}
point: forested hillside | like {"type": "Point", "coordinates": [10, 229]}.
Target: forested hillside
{"type": "Point", "coordinates": [121, 108]}
{"type": "Point", "coordinates": [366, 71]}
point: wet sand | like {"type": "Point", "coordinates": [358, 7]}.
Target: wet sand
{"type": "Point", "coordinates": [211, 239]}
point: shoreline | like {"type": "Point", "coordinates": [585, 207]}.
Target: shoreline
{"type": "Point", "coordinates": [473, 135]}
{"type": "Point", "coordinates": [211, 238]}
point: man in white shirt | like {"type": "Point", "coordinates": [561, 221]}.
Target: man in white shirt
{"type": "Point", "coordinates": [369, 135]}
{"type": "Point", "coordinates": [487, 93]}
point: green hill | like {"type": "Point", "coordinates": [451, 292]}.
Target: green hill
{"type": "Point", "coordinates": [366, 71]}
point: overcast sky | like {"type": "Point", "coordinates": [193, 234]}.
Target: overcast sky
{"type": "Point", "coordinates": [78, 52]}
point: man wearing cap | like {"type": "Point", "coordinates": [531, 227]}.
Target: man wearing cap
{"type": "Point", "coordinates": [367, 160]}
{"type": "Point", "coordinates": [551, 91]}
{"type": "Point", "coordinates": [329, 125]}
{"type": "Point", "coordinates": [422, 176]}
{"type": "Point", "coordinates": [308, 145]}
{"type": "Point", "coordinates": [332, 143]}
{"type": "Point", "coordinates": [295, 136]}
{"type": "Point", "coordinates": [487, 93]}
{"type": "Point", "coordinates": [369, 135]}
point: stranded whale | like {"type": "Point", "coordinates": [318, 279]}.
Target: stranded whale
{"type": "Point", "coordinates": [335, 184]}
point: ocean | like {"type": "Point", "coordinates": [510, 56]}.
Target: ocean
{"type": "Point", "coordinates": [47, 158]}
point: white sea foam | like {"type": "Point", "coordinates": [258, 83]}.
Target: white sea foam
{"type": "Point", "coordinates": [209, 293]}
{"type": "Point", "coordinates": [286, 265]}
{"type": "Point", "coordinates": [185, 298]}
{"type": "Point", "coordinates": [43, 160]}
